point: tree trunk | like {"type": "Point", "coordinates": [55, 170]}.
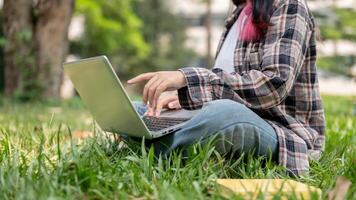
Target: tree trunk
{"type": "Point", "coordinates": [52, 42]}
{"type": "Point", "coordinates": [18, 48]}
{"type": "Point", "coordinates": [36, 45]}
{"type": "Point", "coordinates": [208, 25]}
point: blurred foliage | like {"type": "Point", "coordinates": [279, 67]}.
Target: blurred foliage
{"type": "Point", "coordinates": [138, 36]}
{"type": "Point", "coordinates": [111, 28]}
{"type": "Point", "coordinates": [165, 32]}
{"type": "Point", "coordinates": [2, 41]}
{"type": "Point", "coordinates": [348, 23]}
{"type": "Point", "coordinates": [337, 23]}
{"type": "Point", "coordinates": [144, 35]}
{"type": "Point", "coordinates": [337, 64]}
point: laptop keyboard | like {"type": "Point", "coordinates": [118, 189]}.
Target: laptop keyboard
{"type": "Point", "coordinates": [160, 123]}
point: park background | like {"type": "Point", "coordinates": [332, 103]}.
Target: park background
{"type": "Point", "coordinates": [140, 36]}
{"type": "Point", "coordinates": [39, 109]}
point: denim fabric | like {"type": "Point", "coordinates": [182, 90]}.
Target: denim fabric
{"type": "Point", "coordinates": [236, 129]}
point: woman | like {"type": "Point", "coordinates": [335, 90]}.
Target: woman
{"type": "Point", "coordinates": [262, 93]}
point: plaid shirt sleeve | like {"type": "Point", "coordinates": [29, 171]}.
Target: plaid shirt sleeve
{"type": "Point", "coordinates": [283, 56]}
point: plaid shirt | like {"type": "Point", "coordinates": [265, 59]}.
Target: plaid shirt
{"type": "Point", "coordinates": [275, 77]}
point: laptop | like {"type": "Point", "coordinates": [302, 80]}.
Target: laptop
{"type": "Point", "coordinates": [102, 92]}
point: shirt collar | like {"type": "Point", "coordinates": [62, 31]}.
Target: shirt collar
{"type": "Point", "coordinates": [233, 17]}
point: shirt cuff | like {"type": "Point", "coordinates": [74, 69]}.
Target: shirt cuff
{"type": "Point", "coordinates": [198, 89]}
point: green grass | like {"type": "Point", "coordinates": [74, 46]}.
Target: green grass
{"type": "Point", "coordinates": [38, 159]}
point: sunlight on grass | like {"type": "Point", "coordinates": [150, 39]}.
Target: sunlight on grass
{"type": "Point", "coordinates": [39, 160]}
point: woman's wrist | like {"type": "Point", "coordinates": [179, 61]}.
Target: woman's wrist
{"type": "Point", "coordinates": [183, 79]}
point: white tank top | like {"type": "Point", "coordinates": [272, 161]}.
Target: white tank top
{"type": "Point", "coordinates": [225, 59]}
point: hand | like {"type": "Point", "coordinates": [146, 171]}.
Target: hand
{"type": "Point", "coordinates": [158, 82]}
{"type": "Point", "coordinates": [169, 101]}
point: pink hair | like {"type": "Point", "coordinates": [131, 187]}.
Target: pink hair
{"type": "Point", "coordinates": [250, 30]}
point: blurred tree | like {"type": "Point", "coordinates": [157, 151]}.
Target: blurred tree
{"type": "Point", "coordinates": [208, 25]}
{"type": "Point", "coordinates": [337, 24]}
{"type": "Point", "coordinates": [2, 77]}
{"type": "Point", "coordinates": [36, 44]}
{"type": "Point", "coordinates": [17, 26]}
{"type": "Point", "coordinates": [348, 23]}
{"type": "Point", "coordinates": [111, 28]}
{"type": "Point", "coordinates": [165, 32]}
{"type": "Point", "coordinates": [337, 64]}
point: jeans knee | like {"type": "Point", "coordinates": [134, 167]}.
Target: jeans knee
{"type": "Point", "coordinates": [225, 106]}
{"type": "Point", "coordinates": [247, 138]}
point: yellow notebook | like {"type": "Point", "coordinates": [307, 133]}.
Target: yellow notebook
{"type": "Point", "coordinates": [267, 188]}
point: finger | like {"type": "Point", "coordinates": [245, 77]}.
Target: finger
{"type": "Point", "coordinates": [152, 91]}
{"type": "Point", "coordinates": [163, 103]}
{"type": "Point", "coordinates": [160, 88]}
{"type": "Point", "coordinates": [146, 88]}
{"type": "Point", "coordinates": [142, 77]}
{"type": "Point", "coordinates": [174, 105]}
{"type": "Point", "coordinates": [158, 111]}
{"type": "Point", "coordinates": [149, 112]}
{"type": "Point", "coordinates": [168, 101]}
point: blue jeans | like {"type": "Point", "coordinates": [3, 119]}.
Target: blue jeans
{"type": "Point", "coordinates": [236, 128]}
